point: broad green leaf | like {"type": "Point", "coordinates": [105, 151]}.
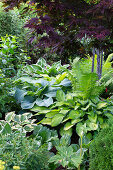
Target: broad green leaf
{"type": "Point", "coordinates": [92, 118]}
{"type": "Point", "coordinates": [81, 129]}
{"type": "Point", "coordinates": [46, 121]}
{"type": "Point", "coordinates": [9, 116]}
{"type": "Point", "coordinates": [38, 108]}
{"type": "Point", "coordinates": [52, 113]}
{"type": "Point", "coordinates": [57, 119]}
{"type": "Point", "coordinates": [60, 78]}
{"type": "Point", "coordinates": [92, 126]}
{"type": "Point", "coordinates": [68, 125]}
{"type": "Point", "coordinates": [74, 121]}
{"type": "Point", "coordinates": [101, 105]}
{"type": "Point", "coordinates": [45, 102]}
{"type": "Point", "coordinates": [64, 111]}
{"type": "Point", "coordinates": [6, 129]}
{"type": "Point", "coordinates": [74, 114]}
{"type": "Point", "coordinates": [27, 102]}
{"type": "Point", "coordinates": [66, 132]}
{"type": "Point", "coordinates": [60, 96]}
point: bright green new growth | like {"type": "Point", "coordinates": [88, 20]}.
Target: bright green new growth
{"type": "Point", "coordinates": [101, 150]}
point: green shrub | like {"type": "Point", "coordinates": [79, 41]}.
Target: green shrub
{"type": "Point", "coordinates": [101, 150]}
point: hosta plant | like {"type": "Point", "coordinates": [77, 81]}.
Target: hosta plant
{"type": "Point", "coordinates": [38, 83]}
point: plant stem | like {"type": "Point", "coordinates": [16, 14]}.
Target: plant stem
{"type": "Point", "coordinates": [80, 150]}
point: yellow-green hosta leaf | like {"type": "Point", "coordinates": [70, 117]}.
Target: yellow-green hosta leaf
{"type": "Point", "coordinates": [92, 118]}
{"type": "Point", "coordinates": [92, 126]}
{"type": "Point", "coordinates": [101, 105]}
{"type": "Point", "coordinates": [74, 114]}
{"type": "Point", "coordinates": [61, 77]}
{"type": "Point", "coordinates": [57, 119]}
{"type": "Point", "coordinates": [64, 111]}
{"type": "Point", "coordinates": [75, 121]}
{"type": "Point", "coordinates": [46, 121]}
{"type": "Point", "coordinates": [68, 125]}
{"type": "Point", "coordinates": [52, 113]}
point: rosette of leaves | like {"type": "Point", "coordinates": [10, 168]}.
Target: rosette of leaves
{"type": "Point", "coordinates": [36, 87]}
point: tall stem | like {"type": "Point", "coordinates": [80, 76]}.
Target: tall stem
{"type": "Point", "coordinates": [101, 64]}
{"type": "Point", "coordinates": [98, 63]}
{"type": "Point", "coordinates": [93, 60]}
{"type": "Point", "coordinates": [80, 150]}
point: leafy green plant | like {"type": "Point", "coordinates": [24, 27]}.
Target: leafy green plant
{"type": "Point", "coordinates": [36, 87]}
{"type": "Point", "coordinates": [16, 148]}
{"type": "Point", "coordinates": [101, 149]}
{"type": "Point", "coordinates": [68, 155]}
{"type": "Point", "coordinates": [11, 56]}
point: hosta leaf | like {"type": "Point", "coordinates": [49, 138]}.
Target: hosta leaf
{"type": "Point", "coordinates": [45, 102]}
{"type": "Point", "coordinates": [74, 114]}
{"type": "Point", "coordinates": [60, 96]}
{"type": "Point", "coordinates": [52, 113]}
{"type": "Point", "coordinates": [19, 95]}
{"type": "Point", "coordinates": [68, 125]}
{"type": "Point", "coordinates": [38, 108]}
{"type": "Point", "coordinates": [60, 78]}
{"type": "Point", "coordinates": [57, 119]}
{"type": "Point", "coordinates": [75, 121]}
{"type": "Point", "coordinates": [66, 132]}
{"type": "Point", "coordinates": [27, 102]}
{"type": "Point", "coordinates": [6, 129]}
{"type": "Point", "coordinates": [9, 116]}
{"type": "Point", "coordinates": [92, 118]}
{"type": "Point", "coordinates": [64, 111]}
{"type": "Point", "coordinates": [101, 105]}
{"type": "Point", "coordinates": [92, 126]}
{"type": "Point", "coordinates": [52, 91]}
{"type": "Point", "coordinates": [46, 121]}
{"type": "Point", "coordinates": [81, 129]}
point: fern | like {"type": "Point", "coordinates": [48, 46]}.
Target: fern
{"type": "Point", "coordinates": [84, 81]}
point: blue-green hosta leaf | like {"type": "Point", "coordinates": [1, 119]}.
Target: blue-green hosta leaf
{"type": "Point", "coordinates": [45, 102]}
{"type": "Point", "coordinates": [52, 91]}
{"type": "Point", "coordinates": [57, 119]}
{"type": "Point", "coordinates": [19, 95]}
{"type": "Point", "coordinates": [60, 96]}
{"type": "Point", "coordinates": [64, 83]}
{"type": "Point", "coordinates": [27, 102]}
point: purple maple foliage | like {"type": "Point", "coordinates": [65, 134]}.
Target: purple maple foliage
{"type": "Point", "coordinates": [62, 22]}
